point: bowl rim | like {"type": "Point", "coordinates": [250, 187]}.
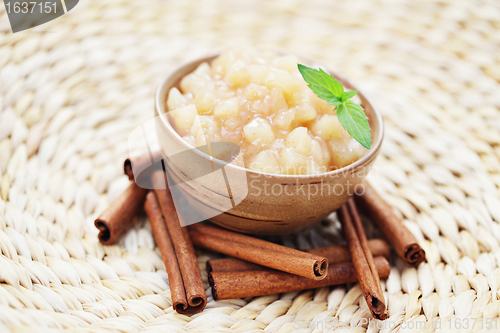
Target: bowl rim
{"type": "Point", "coordinates": [160, 105]}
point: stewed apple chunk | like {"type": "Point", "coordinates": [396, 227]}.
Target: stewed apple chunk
{"type": "Point", "coordinates": [259, 132]}
{"type": "Point", "coordinates": [265, 161]}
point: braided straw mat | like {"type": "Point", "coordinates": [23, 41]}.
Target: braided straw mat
{"type": "Point", "coordinates": [72, 90]}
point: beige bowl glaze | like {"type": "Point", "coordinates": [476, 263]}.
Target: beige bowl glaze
{"type": "Point", "coordinates": [304, 199]}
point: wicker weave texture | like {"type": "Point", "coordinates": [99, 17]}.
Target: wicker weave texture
{"type": "Point", "coordinates": [72, 90]}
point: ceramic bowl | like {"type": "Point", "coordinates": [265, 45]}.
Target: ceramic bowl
{"type": "Point", "coordinates": [274, 204]}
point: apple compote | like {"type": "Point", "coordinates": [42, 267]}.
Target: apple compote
{"type": "Point", "coordinates": [260, 101]}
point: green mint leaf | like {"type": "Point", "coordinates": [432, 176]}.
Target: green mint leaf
{"type": "Point", "coordinates": [351, 115]}
{"type": "Point", "coordinates": [321, 83]}
{"type": "Point", "coordinates": [348, 95]}
{"type": "Point", "coordinates": [334, 101]}
{"type": "Point", "coordinates": [353, 119]}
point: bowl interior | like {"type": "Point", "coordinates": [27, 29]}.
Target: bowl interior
{"type": "Point", "coordinates": [374, 116]}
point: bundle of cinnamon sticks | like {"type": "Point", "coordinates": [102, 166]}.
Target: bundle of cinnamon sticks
{"type": "Point", "coordinates": [256, 267]}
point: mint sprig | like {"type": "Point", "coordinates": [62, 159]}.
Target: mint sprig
{"type": "Point", "coordinates": [351, 115]}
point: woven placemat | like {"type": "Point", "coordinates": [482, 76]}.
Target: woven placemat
{"type": "Point", "coordinates": [72, 90]}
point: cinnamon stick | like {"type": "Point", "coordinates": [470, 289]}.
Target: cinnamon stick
{"type": "Point", "coordinates": [183, 247]}
{"type": "Point", "coordinates": [362, 259]}
{"type": "Point", "coordinates": [233, 265]}
{"type": "Point", "coordinates": [120, 213]}
{"type": "Point", "coordinates": [393, 229]}
{"type": "Point", "coordinates": [241, 284]}
{"type": "Point", "coordinates": [164, 242]}
{"type": "Point", "coordinates": [140, 163]}
{"type": "Point", "coordinates": [259, 251]}
{"type": "Point", "coordinates": [334, 254]}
